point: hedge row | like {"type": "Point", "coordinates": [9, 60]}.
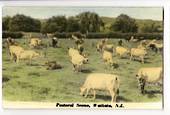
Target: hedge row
{"type": "Point", "coordinates": [94, 35]}
{"type": "Point", "coordinates": [12, 35]}
{"type": "Point", "coordinates": [113, 35]}
{"type": "Point", "coordinates": [67, 35]}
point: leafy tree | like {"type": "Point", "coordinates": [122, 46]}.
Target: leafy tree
{"type": "Point", "coordinates": [124, 24]}
{"type": "Point", "coordinates": [150, 27]}
{"type": "Point", "coordinates": [54, 24]}
{"type": "Point", "coordinates": [5, 23]}
{"type": "Point", "coordinates": [72, 25]}
{"type": "Point", "coordinates": [90, 22]}
{"type": "Point", "coordinates": [24, 23]}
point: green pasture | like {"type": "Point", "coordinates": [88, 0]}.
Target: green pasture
{"type": "Point", "coordinates": [23, 82]}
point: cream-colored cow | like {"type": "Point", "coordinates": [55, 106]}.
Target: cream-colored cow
{"type": "Point", "coordinates": [108, 57]}
{"type": "Point", "coordinates": [121, 51]}
{"type": "Point", "coordinates": [35, 42]}
{"type": "Point", "coordinates": [28, 55]}
{"type": "Point", "coordinates": [15, 52]}
{"type": "Point", "coordinates": [137, 52]}
{"type": "Point", "coordinates": [101, 81]}
{"type": "Point", "coordinates": [77, 59]}
{"type": "Point", "coordinates": [149, 75]}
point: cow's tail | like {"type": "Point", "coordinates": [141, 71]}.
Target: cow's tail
{"type": "Point", "coordinates": [117, 81]}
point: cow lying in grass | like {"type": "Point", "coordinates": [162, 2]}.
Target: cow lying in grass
{"type": "Point", "coordinates": [101, 81]}
{"type": "Point", "coordinates": [157, 47]}
{"type": "Point", "coordinates": [52, 65]}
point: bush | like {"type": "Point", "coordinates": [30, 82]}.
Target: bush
{"type": "Point", "coordinates": [12, 34]}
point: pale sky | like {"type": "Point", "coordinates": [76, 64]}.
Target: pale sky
{"type": "Point", "coordinates": [154, 13]}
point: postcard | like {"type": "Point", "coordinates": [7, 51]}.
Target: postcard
{"type": "Point", "coordinates": [80, 57]}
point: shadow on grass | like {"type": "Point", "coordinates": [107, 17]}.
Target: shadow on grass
{"type": "Point", "coordinates": [33, 64]}
{"type": "Point", "coordinates": [4, 69]}
{"type": "Point", "coordinates": [5, 79]}
{"type": "Point", "coordinates": [6, 59]}
{"type": "Point", "coordinates": [108, 98]}
{"type": "Point", "coordinates": [152, 93]}
{"type": "Point", "coordinates": [123, 57]}
{"type": "Point", "coordinates": [25, 85]}
{"type": "Point", "coordinates": [145, 61]}
{"type": "Point", "coordinates": [122, 99]}
{"type": "Point", "coordinates": [34, 74]}
{"type": "Point", "coordinates": [87, 70]}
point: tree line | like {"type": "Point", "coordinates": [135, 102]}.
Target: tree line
{"type": "Point", "coordinates": [84, 23]}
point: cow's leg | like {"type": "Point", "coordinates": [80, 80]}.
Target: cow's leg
{"type": "Point", "coordinates": [119, 55]}
{"type": "Point", "coordinates": [157, 50]}
{"type": "Point", "coordinates": [112, 93]}
{"type": "Point", "coordinates": [8, 53]}
{"type": "Point", "coordinates": [140, 83]}
{"type": "Point", "coordinates": [30, 61]}
{"type": "Point", "coordinates": [142, 86]}
{"type": "Point", "coordinates": [130, 57]}
{"type": "Point", "coordinates": [74, 67]}
{"type": "Point", "coordinates": [11, 56]}
{"type": "Point", "coordinates": [79, 68]}
{"type": "Point", "coordinates": [87, 92]}
{"type": "Point", "coordinates": [106, 65]}
{"type": "Point", "coordinates": [115, 96]}
{"type": "Point", "coordinates": [141, 58]}
{"type": "Point", "coordinates": [94, 94]}
{"type": "Point", "coordinates": [17, 59]}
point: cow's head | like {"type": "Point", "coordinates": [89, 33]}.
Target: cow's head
{"type": "Point", "coordinates": [85, 61]}
{"type": "Point", "coordinates": [37, 55]}
{"type": "Point", "coordinates": [82, 90]}
{"type": "Point", "coordinates": [141, 83]}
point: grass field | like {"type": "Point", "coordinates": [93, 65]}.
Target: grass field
{"type": "Point", "coordinates": [35, 83]}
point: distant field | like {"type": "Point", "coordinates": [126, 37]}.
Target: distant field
{"type": "Point", "coordinates": [35, 83]}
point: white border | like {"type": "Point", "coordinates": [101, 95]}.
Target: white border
{"type": "Point", "coordinates": [87, 3]}
{"type": "Point", "coordinates": [148, 3]}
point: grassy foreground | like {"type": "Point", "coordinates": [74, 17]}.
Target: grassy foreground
{"type": "Point", "coordinates": [35, 83]}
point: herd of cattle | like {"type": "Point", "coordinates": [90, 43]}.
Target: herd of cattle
{"type": "Point", "coordinates": [78, 57]}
